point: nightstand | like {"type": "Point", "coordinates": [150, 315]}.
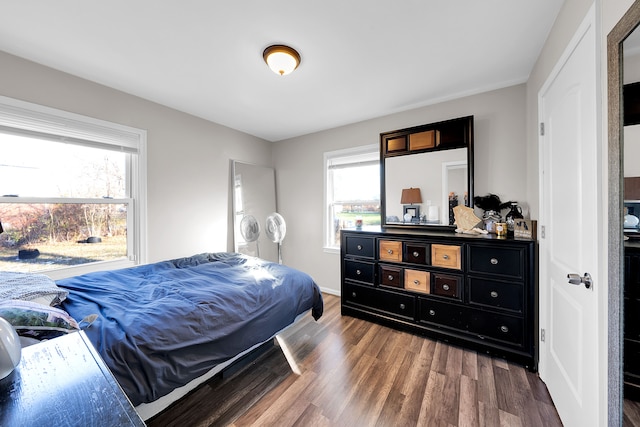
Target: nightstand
{"type": "Point", "coordinates": [64, 382]}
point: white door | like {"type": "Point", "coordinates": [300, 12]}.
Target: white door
{"type": "Point", "coordinates": [568, 235]}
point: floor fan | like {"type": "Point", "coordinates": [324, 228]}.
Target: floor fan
{"type": "Point", "coordinates": [276, 230]}
{"type": "Point", "coordinates": [250, 230]}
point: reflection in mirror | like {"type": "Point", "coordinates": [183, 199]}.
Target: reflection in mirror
{"type": "Point", "coordinates": [441, 177]}
{"type": "Point", "coordinates": [434, 161]}
{"type": "Point", "coordinates": [624, 144]}
{"type": "Point", "coordinates": [254, 199]}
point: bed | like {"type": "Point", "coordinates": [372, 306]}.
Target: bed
{"type": "Point", "coordinates": [163, 327]}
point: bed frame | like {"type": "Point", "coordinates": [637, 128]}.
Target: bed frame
{"type": "Point", "coordinates": [151, 409]}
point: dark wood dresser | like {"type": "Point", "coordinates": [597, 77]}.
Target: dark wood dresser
{"type": "Point", "coordinates": [478, 292]}
{"type": "Point", "coordinates": [64, 382]}
{"type": "Point", "coordinates": [631, 361]}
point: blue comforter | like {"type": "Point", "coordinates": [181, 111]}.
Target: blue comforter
{"type": "Point", "coordinates": [161, 325]}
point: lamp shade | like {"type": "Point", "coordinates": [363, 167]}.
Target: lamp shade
{"type": "Point", "coordinates": [410, 196]}
{"type": "Point", "coordinates": [281, 59]}
{"type": "Point", "coordinates": [10, 349]}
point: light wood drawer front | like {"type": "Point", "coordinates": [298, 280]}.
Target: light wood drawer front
{"type": "Point", "coordinates": [447, 256]}
{"type": "Point", "coordinates": [390, 251]}
{"type": "Point", "coordinates": [391, 276]}
{"type": "Point", "coordinates": [419, 281]}
{"type": "Point", "coordinates": [396, 144]}
{"type": "Point", "coordinates": [422, 140]}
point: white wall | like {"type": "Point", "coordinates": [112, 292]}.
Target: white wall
{"type": "Point", "coordinates": [500, 149]}
{"type": "Point", "coordinates": [188, 158]}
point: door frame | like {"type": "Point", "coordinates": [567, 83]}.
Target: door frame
{"type": "Point", "coordinates": [615, 245]}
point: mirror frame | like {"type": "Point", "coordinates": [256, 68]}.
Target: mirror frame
{"type": "Point", "coordinates": [615, 39]}
{"type": "Point", "coordinates": [383, 156]}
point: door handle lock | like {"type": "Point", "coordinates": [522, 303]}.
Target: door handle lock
{"type": "Point", "coordinates": [576, 279]}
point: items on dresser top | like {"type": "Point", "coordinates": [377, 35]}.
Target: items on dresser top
{"type": "Point", "coordinates": [474, 291]}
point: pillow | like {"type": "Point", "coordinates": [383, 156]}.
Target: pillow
{"type": "Point", "coordinates": [29, 287]}
{"type": "Point", "coordinates": [38, 321]}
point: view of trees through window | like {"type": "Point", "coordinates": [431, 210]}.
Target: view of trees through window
{"type": "Point", "coordinates": [353, 192]}
{"type": "Point", "coordinates": [61, 203]}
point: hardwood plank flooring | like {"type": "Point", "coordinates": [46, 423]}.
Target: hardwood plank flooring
{"type": "Point", "coordinates": [344, 371]}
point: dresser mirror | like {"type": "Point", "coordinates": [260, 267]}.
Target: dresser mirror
{"type": "Point", "coordinates": [426, 171]}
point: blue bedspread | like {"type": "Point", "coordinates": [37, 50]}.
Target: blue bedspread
{"type": "Point", "coordinates": [162, 325]}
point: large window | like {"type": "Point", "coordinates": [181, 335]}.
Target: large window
{"type": "Point", "coordinates": [352, 187]}
{"type": "Point", "coordinates": [72, 191]}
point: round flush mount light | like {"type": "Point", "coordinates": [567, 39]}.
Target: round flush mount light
{"type": "Point", "coordinates": [281, 59]}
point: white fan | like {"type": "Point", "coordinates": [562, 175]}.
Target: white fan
{"type": "Point", "coordinates": [276, 230]}
{"type": "Point", "coordinates": [250, 230]}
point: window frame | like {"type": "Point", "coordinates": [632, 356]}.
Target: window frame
{"type": "Point", "coordinates": [329, 156]}
{"type": "Point", "coordinates": [32, 120]}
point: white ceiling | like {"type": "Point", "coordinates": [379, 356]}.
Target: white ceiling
{"type": "Point", "coordinates": [360, 58]}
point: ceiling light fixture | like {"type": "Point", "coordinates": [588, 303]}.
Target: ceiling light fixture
{"type": "Point", "coordinates": [281, 59]}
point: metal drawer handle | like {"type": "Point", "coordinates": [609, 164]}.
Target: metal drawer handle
{"type": "Point", "coordinates": [389, 251]}
{"type": "Point", "coordinates": [353, 294]}
{"type": "Point", "coordinates": [416, 282]}
{"type": "Point", "coordinates": [494, 294]}
{"type": "Point", "coordinates": [494, 261]}
{"type": "Point", "coordinates": [358, 272]}
{"type": "Point", "coordinates": [445, 287]}
{"type": "Point", "coordinates": [416, 254]}
{"type": "Point", "coordinates": [504, 329]}
{"type": "Point", "coordinates": [432, 312]}
{"type": "Point", "coordinates": [390, 277]}
{"type": "Point", "coordinates": [359, 247]}
{"type": "Point", "coordinates": [445, 256]}
{"type": "Point", "coordinates": [402, 307]}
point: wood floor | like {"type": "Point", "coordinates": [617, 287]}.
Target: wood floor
{"type": "Point", "coordinates": [344, 371]}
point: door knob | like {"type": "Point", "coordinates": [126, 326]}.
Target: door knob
{"type": "Point", "coordinates": [576, 279]}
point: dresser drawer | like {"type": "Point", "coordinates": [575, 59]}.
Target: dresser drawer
{"type": "Point", "coordinates": [446, 285]}
{"type": "Point", "coordinates": [417, 280]}
{"type": "Point", "coordinates": [364, 247]}
{"type": "Point", "coordinates": [391, 276]}
{"type": "Point", "coordinates": [493, 293]}
{"type": "Point", "coordinates": [447, 256]}
{"type": "Point", "coordinates": [504, 262]}
{"type": "Point", "coordinates": [442, 314]}
{"type": "Point", "coordinates": [359, 271]}
{"type": "Point", "coordinates": [416, 253]}
{"type": "Point", "coordinates": [497, 326]}
{"type": "Point", "coordinates": [400, 305]}
{"type": "Point", "coordinates": [390, 250]}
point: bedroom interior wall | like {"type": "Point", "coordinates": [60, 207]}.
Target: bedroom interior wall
{"type": "Point", "coordinates": [500, 159]}
{"type": "Point", "coordinates": [188, 160]}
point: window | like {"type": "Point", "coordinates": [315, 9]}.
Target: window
{"type": "Point", "coordinates": [72, 191]}
{"type": "Point", "coordinates": [352, 190]}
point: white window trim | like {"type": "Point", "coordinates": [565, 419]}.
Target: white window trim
{"type": "Point", "coordinates": [25, 118]}
{"type": "Point", "coordinates": [328, 156]}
